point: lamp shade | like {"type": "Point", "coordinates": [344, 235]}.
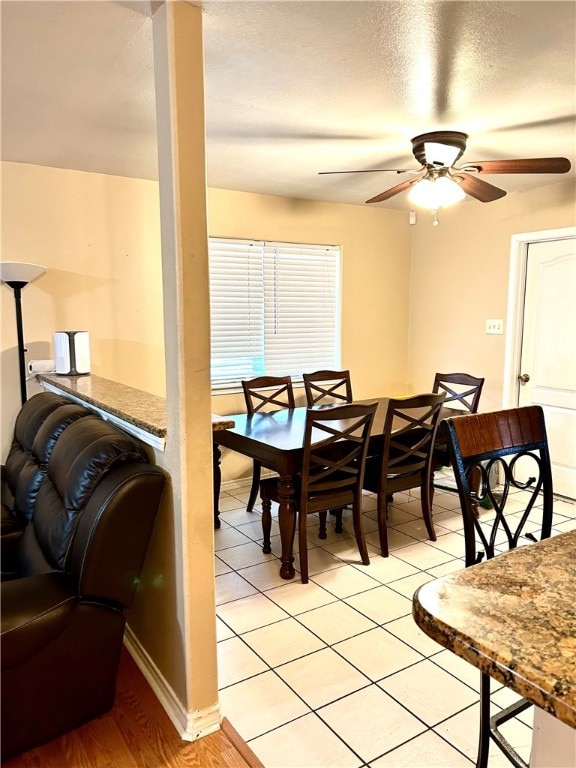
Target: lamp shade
{"type": "Point", "coordinates": [436, 193]}
{"type": "Point", "coordinates": [20, 272]}
{"type": "Point", "coordinates": [16, 275]}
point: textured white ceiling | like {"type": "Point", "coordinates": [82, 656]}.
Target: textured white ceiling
{"type": "Point", "coordinates": [293, 88]}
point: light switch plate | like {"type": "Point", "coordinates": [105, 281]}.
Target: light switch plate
{"type": "Point", "coordinates": [495, 326]}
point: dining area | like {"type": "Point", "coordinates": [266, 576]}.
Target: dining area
{"type": "Point", "coordinates": [491, 512]}
{"type": "Point", "coordinates": [402, 447]}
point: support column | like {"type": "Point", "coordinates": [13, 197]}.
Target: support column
{"type": "Point", "coordinates": [179, 76]}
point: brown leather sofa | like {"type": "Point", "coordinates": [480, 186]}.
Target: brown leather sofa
{"type": "Point", "coordinates": [79, 502]}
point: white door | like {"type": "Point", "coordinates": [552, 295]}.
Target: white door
{"type": "Point", "coordinates": [548, 357]}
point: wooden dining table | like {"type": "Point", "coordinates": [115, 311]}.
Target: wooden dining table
{"type": "Point", "coordinates": [275, 439]}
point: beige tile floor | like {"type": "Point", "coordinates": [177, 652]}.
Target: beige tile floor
{"type": "Point", "coordinates": [335, 672]}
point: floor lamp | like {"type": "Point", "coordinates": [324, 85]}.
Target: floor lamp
{"type": "Point", "coordinates": [17, 275]}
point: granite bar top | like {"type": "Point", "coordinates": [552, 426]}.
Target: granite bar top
{"type": "Point", "coordinates": [513, 617]}
{"type": "Point", "coordinates": [143, 410]}
{"type": "Point", "coordinates": [222, 422]}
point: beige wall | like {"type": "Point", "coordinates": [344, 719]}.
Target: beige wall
{"type": "Point", "coordinates": [460, 279]}
{"type": "Point", "coordinates": [99, 237]}
{"type": "Point", "coordinates": [375, 283]}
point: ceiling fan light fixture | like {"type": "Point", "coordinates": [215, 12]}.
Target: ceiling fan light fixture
{"type": "Point", "coordinates": [435, 193]}
{"type": "Point", "coordinates": [440, 183]}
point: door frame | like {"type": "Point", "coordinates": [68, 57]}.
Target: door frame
{"type": "Point", "coordinates": [515, 313]}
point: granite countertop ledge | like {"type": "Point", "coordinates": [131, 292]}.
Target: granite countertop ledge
{"type": "Point", "coordinates": [141, 409]}
{"type": "Point", "coordinates": [513, 617]}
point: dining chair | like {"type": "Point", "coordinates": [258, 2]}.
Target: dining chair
{"type": "Point", "coordinates": [462, 393]}
{"type": "Point", "coordinates": [327, 387]}
{"type": "Point", "coordinates": [508, 451]}
{"type": "Point", "coordinates": [404, 460]}
{"type": "Point", "coordinates": [334, 454]}
{"type": "Point", "coordinates": [265, 393]}
{"type": "Point", "coordinates": [324, 388]}
{"type": "Point", "coordinates": [462, 390]}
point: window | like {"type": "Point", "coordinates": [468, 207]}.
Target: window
{"type": "Point", "coordinates": [275, 309]}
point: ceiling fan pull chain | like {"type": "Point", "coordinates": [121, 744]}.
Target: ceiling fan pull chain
{"type": "Point", "coordinates": [435, 222]}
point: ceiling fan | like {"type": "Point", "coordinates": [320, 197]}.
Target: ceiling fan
{"type": "Point", "coordinates": [439, 182]}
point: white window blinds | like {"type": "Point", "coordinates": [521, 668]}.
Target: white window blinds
{"type": "Point", "coordinates": [275, 309]}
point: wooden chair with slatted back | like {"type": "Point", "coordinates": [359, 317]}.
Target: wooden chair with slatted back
{"type": "Point", "coordinates": [508, 451]}
{"type": "Point", "coordinates": [323, 387]}
{"type": "Point", "coordinates": [265, 393]}
{"type": "Point", "coordinates": [404, 460]}
{"type": "Point", "coordinates": [335, 447]}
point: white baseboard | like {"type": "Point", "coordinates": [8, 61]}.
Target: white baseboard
{"type": "Point", "coordinates": [235, 485]}
{"type": "Point", "coordinates": [243, 483]}
{"type": "Point", "coordinates": [190, 725]}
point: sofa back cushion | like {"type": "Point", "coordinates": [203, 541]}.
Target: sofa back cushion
{"type": "Point", "coordinates": [85, 452]}
{"type": "Point", "coordinates": [29, 420]}
{"type": "Point", "coordinates": [34, 468]}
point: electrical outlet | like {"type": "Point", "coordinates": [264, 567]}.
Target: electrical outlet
{"type": "Point", "coordinates": [494, 326]}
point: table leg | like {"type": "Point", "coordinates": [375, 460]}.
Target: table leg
{"type": "Point", "coordinates": [217, 479]}
{"type": "Point", "coordinates": [287, 523]}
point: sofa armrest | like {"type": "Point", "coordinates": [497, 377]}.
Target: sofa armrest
{"type": "Point", "coordinates": [112, 537]}
{"type": "Point", "coordinates": [35, 609]}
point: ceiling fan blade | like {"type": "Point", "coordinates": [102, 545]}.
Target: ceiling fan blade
{"type": "Point", "coordinates": [391, 192]}
{"type": "Point", "coordinates": [372, 170]}
{"type": "Point", "coordinates": [479, 188]}
{"type": "Point", "coordinates": [529, 165]}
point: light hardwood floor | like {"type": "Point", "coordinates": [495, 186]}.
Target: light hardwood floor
{"type": "Point", "coordinates": [137, 733]}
